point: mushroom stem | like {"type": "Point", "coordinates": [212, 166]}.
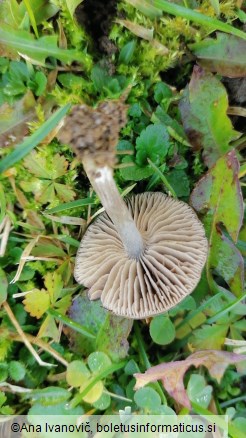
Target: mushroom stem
{"type": "Point", "coordinates": [101, 178]}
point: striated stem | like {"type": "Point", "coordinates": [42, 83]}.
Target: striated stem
{"type": "Point", "coordinates": [102, 180]}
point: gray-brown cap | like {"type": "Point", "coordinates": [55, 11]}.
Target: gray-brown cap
{"type": "Point", "coordinates": [167, 270]}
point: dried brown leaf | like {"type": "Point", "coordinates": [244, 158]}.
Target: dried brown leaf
{"type": "Point", "coordinates": [171, 374]}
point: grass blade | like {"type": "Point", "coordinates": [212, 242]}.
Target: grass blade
{"type": "Point", "coordinates": [72, 324]}
{"type": "Point", "coordinates": [31, 142]}
{"type": "Point", "coordinates": [31, 16]}
{"type": "Point", "coordinates": [69, 205]}
{"type": "Point", "coordinates": [180, 11]}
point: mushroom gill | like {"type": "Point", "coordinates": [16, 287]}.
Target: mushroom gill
{"type": "Point", "coordinates": [167, 269]}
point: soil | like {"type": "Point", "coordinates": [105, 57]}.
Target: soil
{"type": "Point", "coordinates": [236, 88]}
{"type": "Point", "coordinates": [97, 17]}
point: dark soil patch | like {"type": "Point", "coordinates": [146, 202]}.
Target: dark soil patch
{"type": "Point", "coordinates": [97, 16]}
{"type": "Point", "coordinates": [236, 89]}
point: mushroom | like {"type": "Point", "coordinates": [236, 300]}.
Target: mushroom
{"type": "Point", "coordinates": [141, 257]}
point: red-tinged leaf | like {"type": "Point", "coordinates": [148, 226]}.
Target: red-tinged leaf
{"type": "Point", "coordinates": [204, 114]}
{"type": "Point", "coordinates": [225, 55]}
{"type": "Point", "coordinates": [218, 195]}
{"type": "Point", "coordinates": [171, 374]}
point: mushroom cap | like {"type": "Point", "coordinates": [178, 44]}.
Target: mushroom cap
{"type": "Point", "coordinates": [94, 132]}
{"type": "Point", "coordinates": [175, 251]}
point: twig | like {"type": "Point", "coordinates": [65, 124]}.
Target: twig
{"type": "Point", "coordinates": [41, 344]}
{"type": "Point", "coordinates": [5, 235]}
{"type": "Point", "coordinates": [25, 253]}
{"type": "Point", "coordinates": [24, 337]}
{"type": "Point", "coordinates": [5, 386]}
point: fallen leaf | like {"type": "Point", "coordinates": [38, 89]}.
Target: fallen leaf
{"type": "Point", "coordinates": [111, 331]}
{"type": "Point", "coordinates": [171, 374]}
{"type": "Point", "coordinates": [218, 195]}
{"type": "Point", "coordinates": [203, 110]}
{"type": "Point", "coordinates": [136, 29]}
{"type": "Point", "coordinates": [225, 55]}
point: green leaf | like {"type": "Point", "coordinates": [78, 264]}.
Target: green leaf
{"type": "Point", "coordinates": [31, 16]}
{"type": "Point", "coordinates": [198, 391]}
{"type": "Point", "coordinates": [204, 114]}
{"type": "Point", "coordinates": [162, 330]}
{"type": "Point", "coordinates": [179, 181]}
{"type": "Point", "coordinates": [98, 361]}
{"type": "Point", "coordinates": [147, 9]}
{"type": "Point", "coordinates": [72, 5]}
{"type": "Point", "coordinates": [103, 402]}
{"type": "Point", "coordinates": [49, 329]}
{"type": "Point", "coordinates": [31, 142]}
{"type": "Point", "coordinates": [4, 286]}
{"type": "Point", "coordinates": [36, 50]}
{"type": "Point", "coordinates": [162, 91]}
{"type": "Point", "coordinates": [49, 396]}
{"type": "Point", "coordinates": [41, 82]}
{"type": "Point", "coordinates": [57, 413]}
{"type": "Point", "coordinates": [147, 399]}
{"type": "Point", "coordinates": [240, 423]}
{"type": "Point", "coordinates": [209, 337]}
{"type": "Point", "coordinates": [77, 373]}
{"type": "Point", "coordinates": [70, 205]}
{"type": "Point", "coordinates": [134, 172]}
{"type": "Point", "coordinates": [12, 13]}
{"type": "Point", "coordinates": [174, 129]}
{"type": "Point", "coordinates": [153, 143]}
{"type": "Point", "coordinates": [3, 372]}
{"type": "Point", "coordinates": [48, 250]}
{"type": "Point", "coordinates": [64, 192]}
{"type": "Point", "coordinates": [2, 204]}
{"type": "Point", "coordinates": [225, 55]}
{"type": "Point", "coordinates": [127, 52]}
{"type": "Point", "coordinates": [112, 336]}
{"type": "Point", "coordinates": [94, 393]}
{"type": "Point", "coordinates": [42, 10]}
{"type": "Point", "coordinates": [17, 370]}
{"type": "Point", "coordinates": [218, 194]}
{"type": "Point", "coordinates": [54, 285]}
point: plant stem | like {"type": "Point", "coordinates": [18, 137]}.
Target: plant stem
{"type": "Point", "coordinates": [146, 361]}
{"type": "Point", "coordinates": [232, 401]}
{"type": "Point", "coordinates": [102, 180]}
